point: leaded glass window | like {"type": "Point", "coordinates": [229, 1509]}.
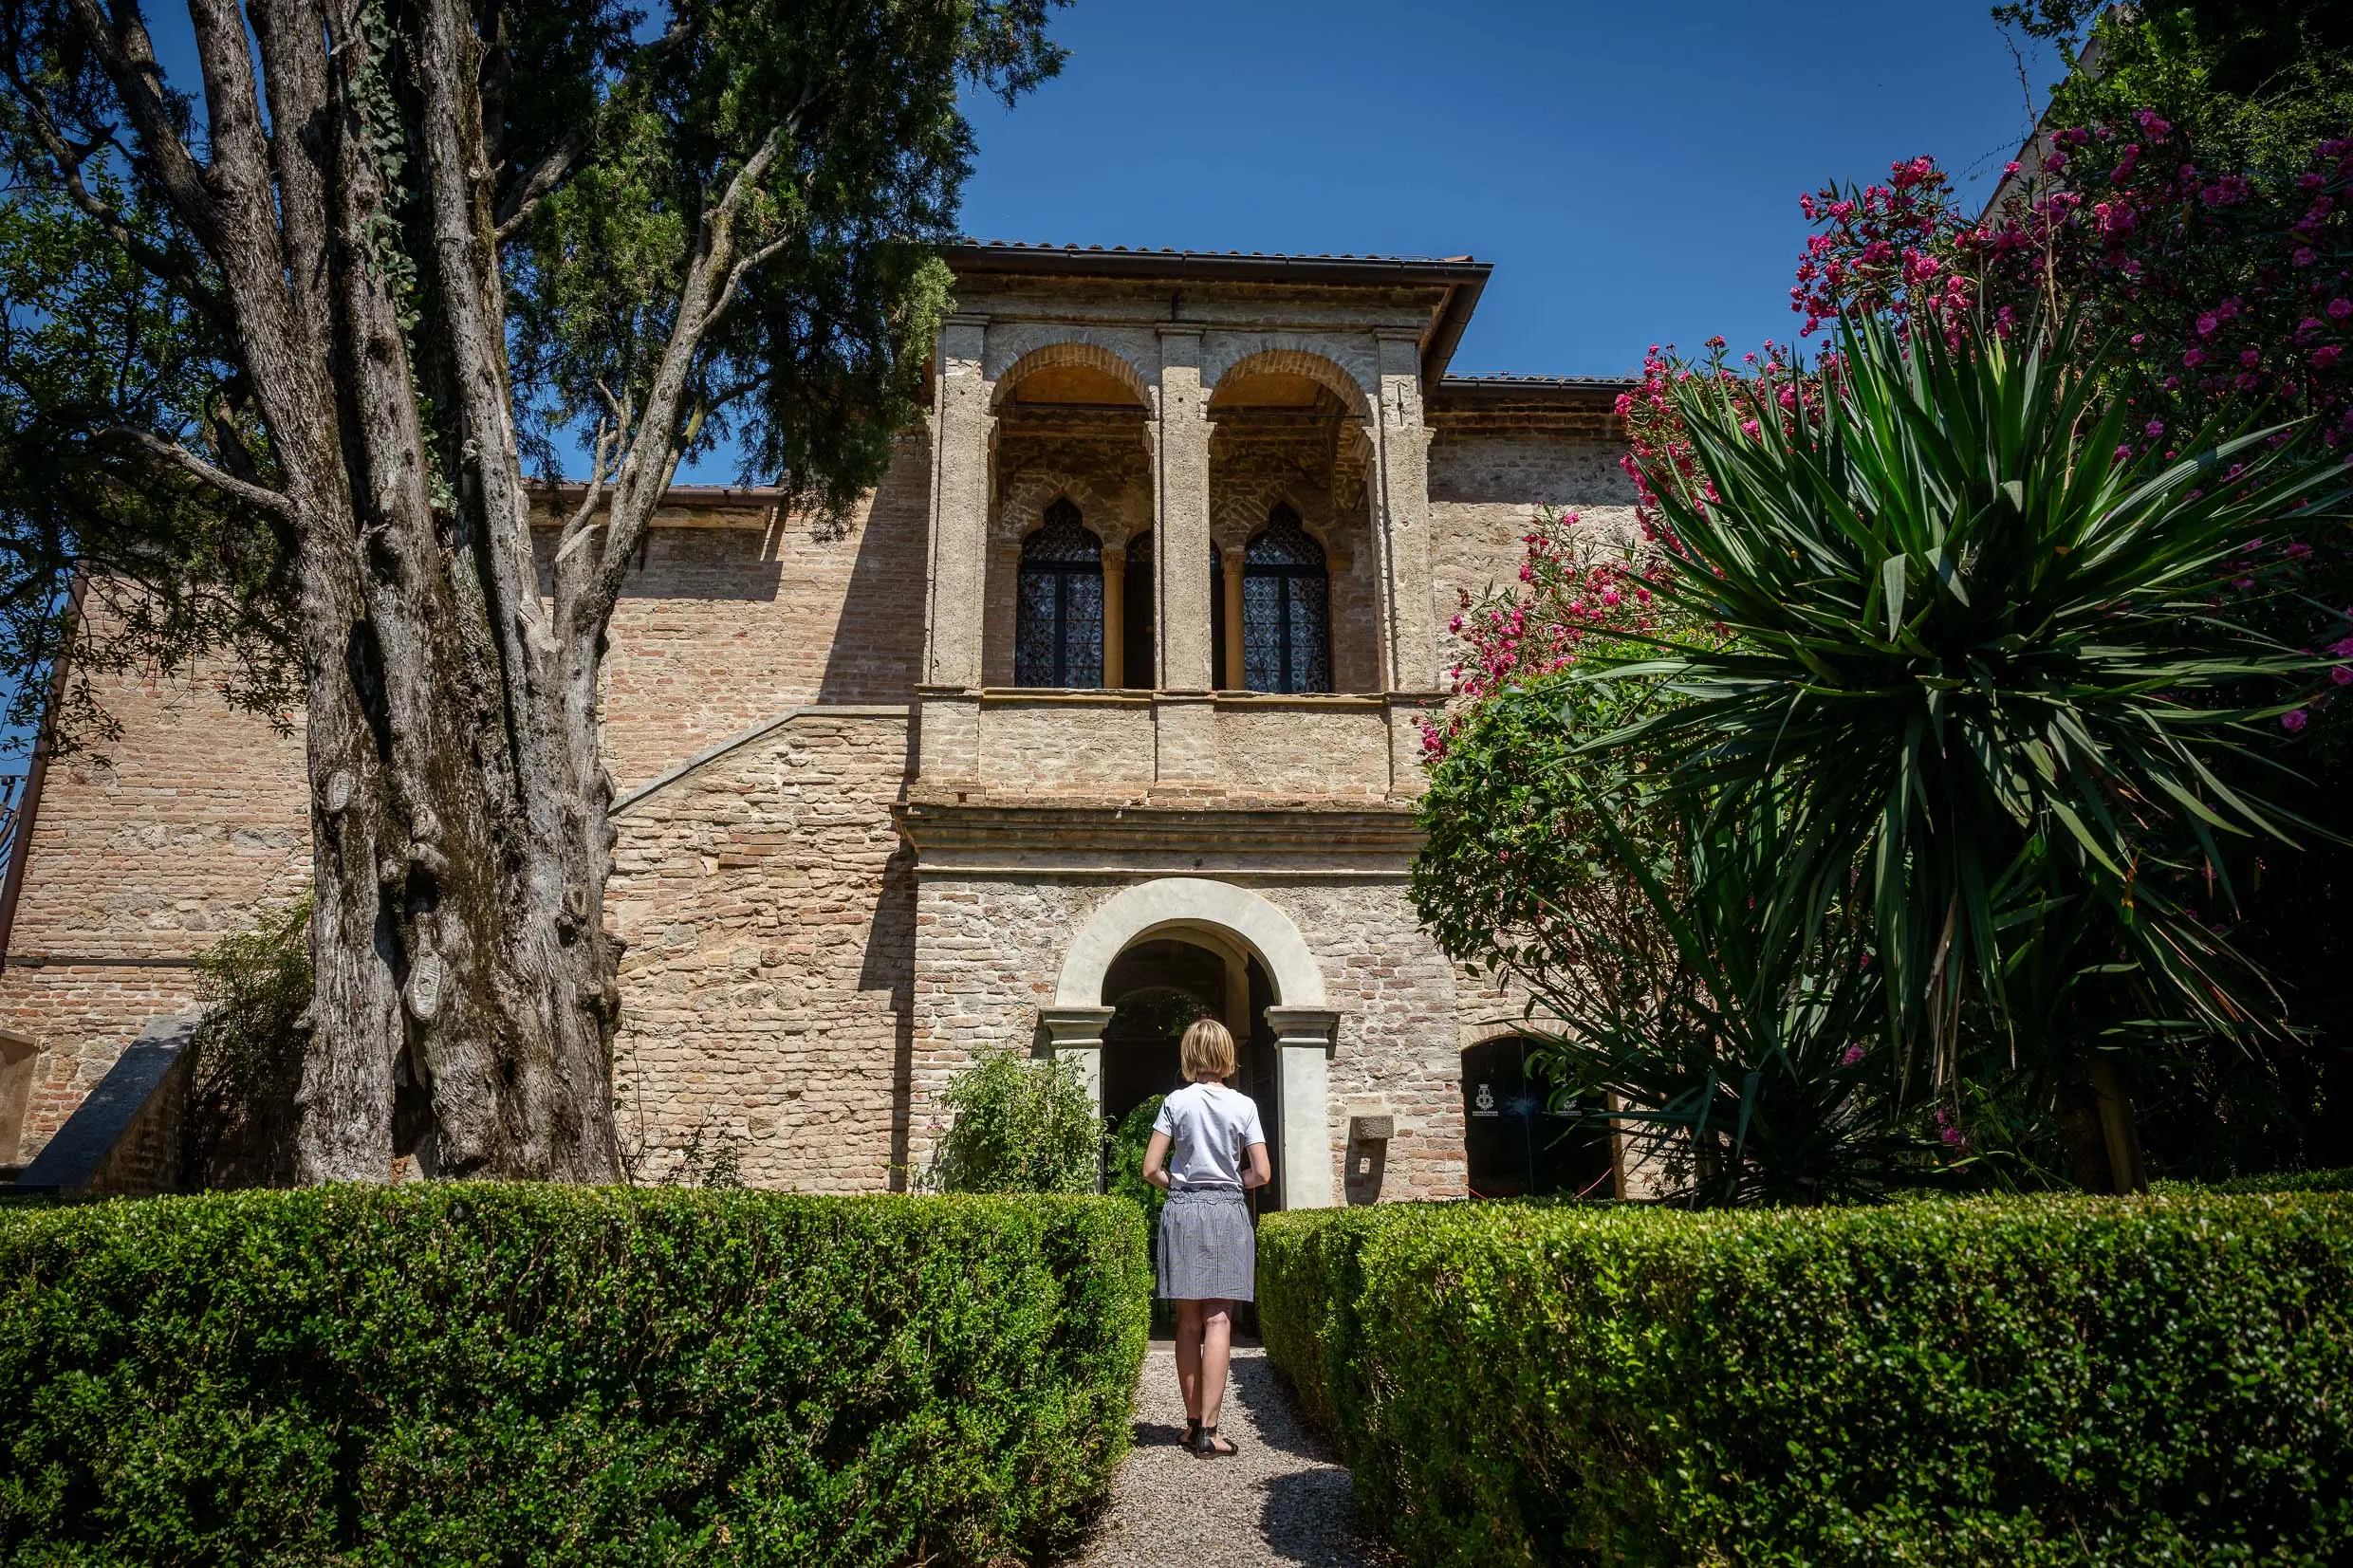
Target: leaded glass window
{"type": "Point", "coordinates": [1287, 632]}
{"type": "Point", "coordinates": [1058, 618]}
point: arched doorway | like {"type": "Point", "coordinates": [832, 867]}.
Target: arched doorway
{"type": "Point", "coordinates": [1154, 989]}
{"type": "Point", "coordinates": [1238, 957]}
{"type": "Point", "coordinates": [1516, 1145]}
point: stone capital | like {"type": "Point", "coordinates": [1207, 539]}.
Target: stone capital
{"type": "Point", "coordinates": [1304, 1027]}
{"type": "Point", "coordinates": [1074, 1029]}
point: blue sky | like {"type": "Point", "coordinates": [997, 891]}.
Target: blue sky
{"type": "Point", "coordinates": [1632, 169]}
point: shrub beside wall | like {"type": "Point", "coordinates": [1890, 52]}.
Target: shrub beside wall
{"type": "Point", "coordinates": [2165, 1380]}
{"type": "Point", "coordinates": [528, 1375]}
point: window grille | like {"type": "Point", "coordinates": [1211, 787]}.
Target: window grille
{"type": "Point", "coordinates": [1058, 619]}
{"type": "Point", "coordinates": [1287, 633]}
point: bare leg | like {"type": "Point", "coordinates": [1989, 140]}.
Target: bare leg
{"type": "Point", "coordinates": [1216, 1320]}
{"type": "Point", "coordinates": [1189, 1357]}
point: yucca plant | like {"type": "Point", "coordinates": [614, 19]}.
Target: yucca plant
{"type": "Point", "coordinates": [1983, 663]}
{"type": "Point", "coordinates": [1733, 1054]}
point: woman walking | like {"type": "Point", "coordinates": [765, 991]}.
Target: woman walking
{"type": "Point", "coordinates": [1206, 1148]}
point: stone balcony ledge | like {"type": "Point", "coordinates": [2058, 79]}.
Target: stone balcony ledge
{"type": "Point", "coordinates": [1149, 744]}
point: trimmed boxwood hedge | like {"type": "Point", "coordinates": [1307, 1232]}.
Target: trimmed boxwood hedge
{"type": "Point", "coordinates": [482, 1373]}
{"type": "Point", "coordinates": [2022, 1381]}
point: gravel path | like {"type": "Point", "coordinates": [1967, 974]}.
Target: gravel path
{"type": "Point", "coordinates": [1282, 1499]}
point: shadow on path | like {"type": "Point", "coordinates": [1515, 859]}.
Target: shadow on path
{"type": "Point", "coordinates": [1282, 1499]}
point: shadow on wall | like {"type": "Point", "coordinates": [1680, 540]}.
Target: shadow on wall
{"type": "Point", "coordinates": [889, 966]}
{"type": "Point", "coordinates": [707, 564]}
{"type": "Point", "coordinates": [876, 654]}
{"type": "Point", "coordinates": [1528, 471]}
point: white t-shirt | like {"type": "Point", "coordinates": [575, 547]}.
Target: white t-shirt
{"type": "Point", "coordinates": [1209, 1129]}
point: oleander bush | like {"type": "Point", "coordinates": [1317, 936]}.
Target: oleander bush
{"type": "Point", "coordinates": [522, 1374]}
{"type": "Point", "coordinates": [1984, 1381]}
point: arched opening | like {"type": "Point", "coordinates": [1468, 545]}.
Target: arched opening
{"type": "Point", "coordinates": [1070, 427]}
{"type": "Point", "coordinates": [1271, 995]}
{"type": "Point", "coordinates": [1058, 613]}
{"type": "Point", "coordinates": [1518, 1146]}
{"type": "Point", "coordinates": [1294, 590]}
{"type": "Point", "coordinates": [1286, 629]}
{"type": "Point", "coordinates": [1155, 989]}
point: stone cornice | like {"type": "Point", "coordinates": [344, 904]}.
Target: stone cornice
{"type": "Point", "coordinates": [973, 833]}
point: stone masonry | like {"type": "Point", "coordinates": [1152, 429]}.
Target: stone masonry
{"type": "Point", "coordinates": [851, 853]}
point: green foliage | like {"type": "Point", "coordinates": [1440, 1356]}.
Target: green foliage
{"type": "Point", "coordinates": [1633, 930]}
{"type": "Point", "coordinates": [2253, 79]}
{"type": "Point", "coordinates": [1977, 673]}
{"type": "Point", "coordinates": [818, 366]}
{"type": "Point", "coordinates": [1018, 1126]}
{"type": "Point", "coordinates": [1125, 1176]}
{"type": "Point", "coordinates": [2280, 1181]}
{"type": "Point", "coordinates": [91, 344]}
{"type": "Point", "coordinates": [248, 1066]}
{"type": "Point", "coordinates": [536, 1374]}
{"type": "Point", "coordinates": [2046, 1381]}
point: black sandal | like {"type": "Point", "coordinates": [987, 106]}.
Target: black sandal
{"type": "Point", "coordinates": [1193, 1431]}
{"type": "Point", "coordinates": [1206, 1441]}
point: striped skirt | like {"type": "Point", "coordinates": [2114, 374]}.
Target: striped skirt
{"type": "Point", "coordinates": [1208, 1250]}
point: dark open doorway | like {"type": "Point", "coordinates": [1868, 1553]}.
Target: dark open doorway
{"type": "Point", "coordinates": [1518, 1146]}
{"type": "Point", "coordinates": [1156, 988]}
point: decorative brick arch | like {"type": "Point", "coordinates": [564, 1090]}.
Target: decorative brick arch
{"type": "Point", "coordinates": [1093, 356]}
{"type": "Point", "coordinates": [1022, 511]}
{"type": "Point", "coordinates": [1240, 508]}
{"type": "Point", "coordinates": [1320, 368]}
{"type": "Point", "coordinates": [1174, 904]}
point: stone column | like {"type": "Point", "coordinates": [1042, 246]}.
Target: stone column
{"type": "Point", "coordinates": [963, 426]}
{"type": "Point", "coordinates": [1180, 537]}
{"type": "Point", "coordinates": [1233, 562]}
{"type": "Point", "coordinates": [1410, 659]}
{"type": "Point", "coordinates": [1114, 617]}
{"type": "Point", "coordinates": [1076, 1034]}
{"type": "Point", "coordinates": [1304, 1041]}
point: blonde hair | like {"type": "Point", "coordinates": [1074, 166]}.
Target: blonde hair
{"type": "Point", "coordinates": [1207, 1051]}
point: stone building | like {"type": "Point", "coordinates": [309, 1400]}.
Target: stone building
{"type": "Point", "coordinates": [1103, 711]}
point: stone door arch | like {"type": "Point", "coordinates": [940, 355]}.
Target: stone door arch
{"type": "Point", "coordinates": [1305, 1027]}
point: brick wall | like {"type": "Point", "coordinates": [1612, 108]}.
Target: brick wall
{"type": "Point", "coordinates": [1486, 489]}
{"type": "Point", "coordinates": [789, 992]}
{"type": "Point", "coordinates": [194, 816]}
{"type": "Point", "coordinates": [769, 911]}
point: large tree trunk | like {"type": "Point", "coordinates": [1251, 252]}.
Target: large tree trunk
{"type": "Point", "coordinates": [466, 992]}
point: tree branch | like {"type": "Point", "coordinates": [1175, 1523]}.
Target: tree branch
{"type": "Point", "coordinates": [523, 198]}
{"type": "Point", "coordinates": [173, 454]}
{"type": "Point", "coordinates": [125, 49]}
{"type": "Point", "coordinates": [516, 206]}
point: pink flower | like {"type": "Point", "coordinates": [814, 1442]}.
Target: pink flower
{"type": "Point", "coordinates": [2294, 722]}
{"type": "Point", "coordinates": [2326, 356]}
{"type": "Point", "coordinates": [2339, 308]}
{"type": "Point", "coordinates": [1853, 1054]}
{"type": "Point", "coordinates": [2341, 674]}
{"type": "Point", "coordinates": [2305, 256]}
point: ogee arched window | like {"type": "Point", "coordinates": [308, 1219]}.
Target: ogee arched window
{"type": "Point", "coordinates": [1287, 631]}
{"type": "Point", "coordinates": [1058, 619]}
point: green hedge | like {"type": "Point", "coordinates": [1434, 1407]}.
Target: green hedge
{"type": "Point", "coordinates": [2281, 1181]}
{"type": "Point", "coordinates": [524, 1375]}
{"type": "Point", "coordinates": [2163, 1380]}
